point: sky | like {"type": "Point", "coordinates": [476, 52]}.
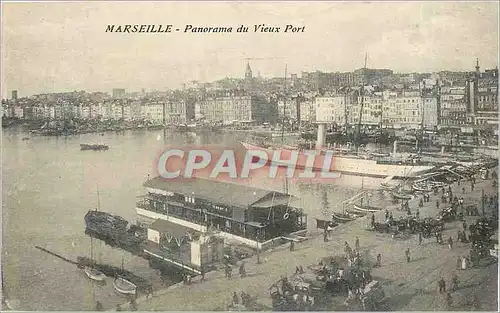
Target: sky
{"type": "Point", "coordinates": [63, 46]}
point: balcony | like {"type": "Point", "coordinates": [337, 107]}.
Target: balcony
{"type": "Point", "coordinates": [251, 230]}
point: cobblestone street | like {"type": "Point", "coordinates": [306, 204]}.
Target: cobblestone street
{"type": "Point", "coordinates": [409, 286]}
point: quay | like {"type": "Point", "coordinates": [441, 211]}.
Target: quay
{"type": "Point", "coordinates": [409, 286]}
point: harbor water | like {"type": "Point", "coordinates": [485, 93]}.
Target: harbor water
{"type": "Point", "coordinates": [49, 184]}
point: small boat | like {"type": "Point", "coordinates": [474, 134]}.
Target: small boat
{"type": "Point", "coordinates": [421, 187]}
{"type": "Point", "coordinates": [379, 154]}
{"type": "Point", "coordinates": [94, 274]}
{"type": "Point", "coordinates": [124, 286]}
{"type": "Point", "coordinates": [342, 218]}
{"type": "Point", "coordinates": [25, 138]}
{"type": "Point", "coordinates": [401, 196]}
{"type": "Point", "coordinates": [437, 184]}
{"type": "Point", "coordinates": [93, 147]}
{"type": "Point", "coordinates": [366, 208]}
{"type": "Point", "coordinates": [355, 212]}
{"type": "Point", "coordinates": [389, 187]}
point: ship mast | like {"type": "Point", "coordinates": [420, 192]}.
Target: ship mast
{"type": "Point", "coordinates": [421, 139]}
{"type": "Point", "coordinates": [284, 110]}
{"type": "Point", "coordinates": [358, 136]}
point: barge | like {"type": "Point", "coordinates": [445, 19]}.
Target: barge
{"type": "Point", "coordinates": [85, 147]}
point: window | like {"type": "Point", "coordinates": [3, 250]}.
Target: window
{"type": "Point", "coordinates": [189, 199]}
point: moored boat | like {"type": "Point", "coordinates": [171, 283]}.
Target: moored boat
{"type": "Point", "coordinates": [93, 147]}
{"type": "Point", "coordinates": [366, 208]}
{"type": "Point", "coordinates": [355, 212]}
{"type": "Point", "coordinates": [94, 274]}
{"type": "Point", "coordinates": [350, 164]}
{"type": "Point", "coordinates": [421, 187]}
{"type": "Point", "coordinates": [401, 196]}
{"type": "Point", "coordinates": [342, 218]}
{"type": "Point", "coordinates": [124, 286]}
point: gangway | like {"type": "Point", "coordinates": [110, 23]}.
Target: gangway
{"type": "Point", "coordinates": [346, 203]}
{"type": "Point", "coordinates": [454, 173]}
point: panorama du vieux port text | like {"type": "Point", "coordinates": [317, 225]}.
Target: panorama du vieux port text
{"type": "Point", "coordinates": [188, 28]}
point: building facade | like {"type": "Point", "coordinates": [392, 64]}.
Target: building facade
{"type": "Point", "coordinates": [232, 109]}
{"type": "Point", "coordinates": [332, 109]}
{"type": "Point", "coordinates": [453, 106]}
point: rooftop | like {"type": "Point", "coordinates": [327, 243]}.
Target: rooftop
{"type": "Point", "coordinates": [175, 230]}
{"type": "Point", "coordinates": [216, 191]}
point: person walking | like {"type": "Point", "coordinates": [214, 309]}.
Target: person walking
{"type": "Point", "coordinates": [408, 255]}
{"type": "Point", "coordinates": [419, 239]}
{"type": "Point", "coordinates": [292, 245]}
{"type": "Point", "coordinates": [459, 262]}
{"type": "Point", "coordinates": [379, 260]}
{"type": "Point", "coordinates": [235, 298]}
{"type": "Point", "coordinates": [442, 285]}
{"type": "Point", "coordinates": [356, 244]}
{"type": "Point", "coordinates": [386, 214]}
{"type": "Point", "coordinates": [202, 275]}
{"type": "Point", "coordinates": [99, 306]}
{"type": "Point", "coordinates": [454, 283]}
{"type": "Point", "coordinates": [417, 214]}
{"type": "Point", "coordinates": [242, 270]}
{"type": "Point", "coordinates": [450, 243]}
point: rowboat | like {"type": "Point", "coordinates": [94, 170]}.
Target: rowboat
{"type": "Point", "coordinates": [366, 208]}
{"type": "Point", "coordinates": [94, 274]}
{"type": "Point", "coordinates": [421, 187]}
{"type": "Point", "coordinates": [389, 187]}
{"type": "Point", "coordinates": [355, 212]}
{"type": "Point", "coordinates": [342, 218]}
{"type": "Point", "coordinates": [124, 286]}
{"type": "Point", "coordinates": [401, 196]}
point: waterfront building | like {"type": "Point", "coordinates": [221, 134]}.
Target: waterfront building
{"type": "Point", "coordinates": [287, 109]}
{"type": "Point", "coordinates": [308, 110]}
{"type": "Point", "coordinates": [453, 106]}
{"type": "Point", "coordinates": [372, 110]}
{"type": "Point", "coordinates": [14, 95]}
{"type": "Point", "coordinates": [176, 112]}
{"type": "Point", "coordinates": [118, 93]}
{"type": "Point", "coordinates": [183, 247]}
{"type": "Point", "coordinates": [136, 112]}
{"type": "Point", "coordinates": [233, 108]}
{"type": "Point", "coordinates": [18, 111]}
{"type": "Point", "coordinates": [7, 109]}
{"type": "Point", "coordinates": [430, 112]}
{"type": "Point", "coordinates": [237, 213]}
{"type": "Point", "coordinates": [97, 111]}
{"type": "Point", "coordinates": [332, 109]}
{"type": "Point", "coordinates": [153, 112]}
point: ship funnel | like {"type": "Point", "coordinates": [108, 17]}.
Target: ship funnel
{"type": "Point", "coordinates": [320, 141]}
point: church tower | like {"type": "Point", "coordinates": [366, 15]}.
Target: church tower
{"type": "Point", "coordinates": [248, 72]}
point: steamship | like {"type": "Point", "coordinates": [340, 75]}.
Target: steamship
{"type": "Point", "coordinates": [369, 166]}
